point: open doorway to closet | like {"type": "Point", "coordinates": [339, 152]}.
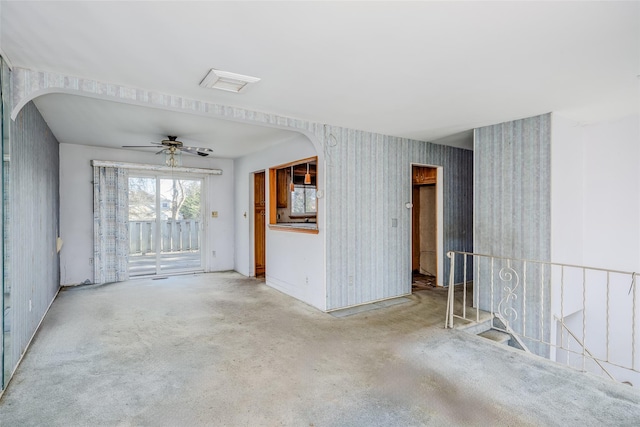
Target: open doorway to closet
{"type": "Point", "coordinates": [424, 227]}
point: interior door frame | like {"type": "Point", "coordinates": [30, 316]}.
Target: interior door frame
{"type": "Point", "coordinates": [439, 220]}
{"type": "Point", "coordinates": [159, 175]}
{"type": "Point", "coordinates": [252, 221]}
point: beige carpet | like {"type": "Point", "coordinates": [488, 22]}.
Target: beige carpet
{"type": "Point", "coordinates": [224, 350]}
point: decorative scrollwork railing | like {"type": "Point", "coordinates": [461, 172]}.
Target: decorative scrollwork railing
{"type": "Point", "coordinates": [508, 274]}
{"type": "Point", "coordinates": [581, 316]}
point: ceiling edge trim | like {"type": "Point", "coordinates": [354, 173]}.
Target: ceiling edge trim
{"type": "Point", "coordinates": [29, 84]}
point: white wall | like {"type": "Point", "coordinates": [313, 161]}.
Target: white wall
{"type": "Point", "coordinates": [567, 193]}
{"type": "Point", "coordinates": [596, 193]}
{"type": "Point", "coordinates": [596, 223]}
{"type": "Point", "coordinates": [612, 194]}
{"type": "Point", "coordinates": [294, 261]}
{"type": "Point", "coordinates": [76, 207]}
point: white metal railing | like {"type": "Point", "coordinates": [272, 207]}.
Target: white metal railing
{"type": "Point", "coordinates": [581, 316]}
{"type": "Point", "coordinates": [585, 349]}
{"type": "Point", "coordinates": [175, 236]}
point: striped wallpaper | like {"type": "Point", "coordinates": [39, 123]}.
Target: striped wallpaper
{"type": "Point", "coordinates": [368, 185]}
{"type": "Point", "coordinates": [31, 228]}
{"type": "Point", "coordinates": [512, 212]}
{"type": "Point", "coordinates": [512, 199]}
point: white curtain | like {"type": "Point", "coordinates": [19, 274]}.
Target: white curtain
{"type": "Point", "coordinates": [110, 224]}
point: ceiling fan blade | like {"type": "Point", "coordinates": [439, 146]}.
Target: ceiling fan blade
{"type": "Point", "coordinates": [136, 146]}
{"type": "Point", "coordinates": [162, 151]}
{"type": "Point", "coordinates": [188, 150]}
{"type": "Point", "coordinates": [197, 151]}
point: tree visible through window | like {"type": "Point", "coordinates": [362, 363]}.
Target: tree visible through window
{"type": "Point", "coordinates": [303, 200]}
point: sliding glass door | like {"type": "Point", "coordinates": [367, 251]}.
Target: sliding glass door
{"type": "Point", "coordinates": [165, 225]}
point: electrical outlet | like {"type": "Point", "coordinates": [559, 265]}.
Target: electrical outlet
{"type": "Point", "coordinates": [213, 254]}
{"type": "Point", "coordinates": [30, 306]}
{"type": "Point", "coordinates": [90, 261]}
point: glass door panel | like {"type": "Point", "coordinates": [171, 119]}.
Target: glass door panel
{"type": "Point", "coordinates": [180, 225]}
{"type": "Point", "coordinates": [142, 226]}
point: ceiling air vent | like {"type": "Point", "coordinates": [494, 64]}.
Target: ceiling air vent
{"type": "Point", "coordinates": [224, 80]}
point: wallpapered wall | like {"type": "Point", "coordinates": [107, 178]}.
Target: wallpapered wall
{"type": "Point", "coordinates": [512, 214]}
{"type": "Point", "coordinates": [31, 228]}
{"type": "Point", "coordinates": [368, 186]}
{"type": "Point", "coordinates": [513, 188]}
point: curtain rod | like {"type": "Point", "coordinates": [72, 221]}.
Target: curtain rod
{"type": "Point", "coordinates": [160, 168]}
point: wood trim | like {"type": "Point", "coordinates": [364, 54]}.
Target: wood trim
{"type": "Point", "coordinates": [428, 181]}
{"type": "Point", "coordinates": [273, 190]}
{"type": "Point", "coordinates": [273, 208]}
{"type": "Point", "coordinates": [297, 162]}
{"type": "Point", "coordinates": [293, 229]}
{"type": "Point", "coordinates": [415, 228]}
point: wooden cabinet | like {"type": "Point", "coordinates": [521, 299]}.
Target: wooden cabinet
{"type": "Point", "coordinates": [282, 184]}
{"type": "Point", "coordinates": [423, 175]}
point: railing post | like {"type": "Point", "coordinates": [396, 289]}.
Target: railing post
{"type": "Point", "coordinates": [633, 323]}
{"type": "Point", "coordinates": [476, 287]}
{"type": "Point", "coordinates": [524, 297]}
{"type": "Point", "coordinates": [608, 308]}
{"type": "Point", "coordinates": [584, 318]}
{"type": "Point", "coordinates": [492, 310]}
{"type": "Point", "coordinates": [451, 299]}
{"type": "Point", "coordinates": [562, 305]}
{"type": "Point", "coordinates": [464, 286]}
{"type": "Point", "coordinates": [542, 302]}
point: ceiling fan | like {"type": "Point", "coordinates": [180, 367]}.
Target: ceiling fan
{"type": "Point", "coordinates": [172, 148]}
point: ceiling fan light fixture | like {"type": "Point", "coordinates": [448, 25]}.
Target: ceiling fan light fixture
{"type": "Point", "coordinates": [173, 158]}
{"type": "Point", "coordinates": [227, 81]}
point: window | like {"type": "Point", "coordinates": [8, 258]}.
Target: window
{"type": "Point", "coordinates": [292, 195]}
{"type": "Point", "coordinates": [303, 200]}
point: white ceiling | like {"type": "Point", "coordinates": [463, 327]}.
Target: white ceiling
{"type": "Point", "coordinates": [89, 121]}
{"type": "Point", "coordinates": [424, 70]}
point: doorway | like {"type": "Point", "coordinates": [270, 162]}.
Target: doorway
{"type": "Point", "coordinates": [259, 226]}
{"type": "Point", "coordinates": [165, 225]}
{"type": "Point", "coordinates": [424, 227]}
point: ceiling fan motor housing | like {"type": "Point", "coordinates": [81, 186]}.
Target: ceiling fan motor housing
{"type": "Point", "coordinates": [172, 141]}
